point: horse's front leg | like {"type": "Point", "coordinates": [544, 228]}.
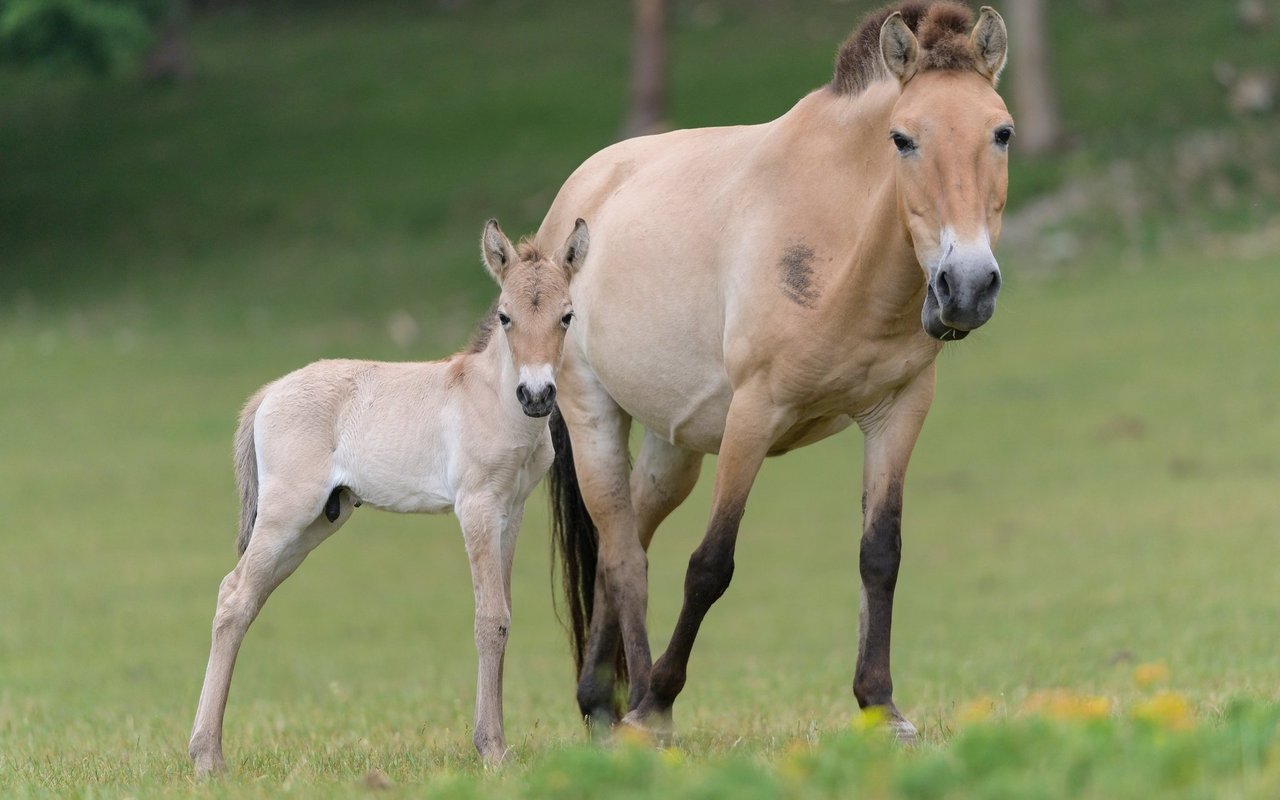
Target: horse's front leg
{"type": "Point", "coordinates": [750, 429]}
{"type": "Point", "coordinates": [890, 437]}
{"type": "Point", "coordinates": [484, 520]}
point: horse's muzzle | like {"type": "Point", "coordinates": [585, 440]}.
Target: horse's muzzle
{"type": "Point", "coordinates": [960, 298]}
{"type": "Point", "coordinates": [537, 402]}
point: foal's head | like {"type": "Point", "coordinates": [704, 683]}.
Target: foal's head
{"type": "Point", "coordinates": [950, 134]}
{"type": "Point", "coordinates": [533, 310]}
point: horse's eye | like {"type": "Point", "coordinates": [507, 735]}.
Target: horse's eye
{"type": "Point", "coordinates": [1003, 135]}
{"type": "Point", "coordinates": [904, 143]}
{"type": "Point", "coordinates": [504, 320]}
{"type": "Point", "coordinates": [566, 319]}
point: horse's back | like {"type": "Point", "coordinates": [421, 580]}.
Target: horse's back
{"type": "Point", "coordinates": [676, 228]}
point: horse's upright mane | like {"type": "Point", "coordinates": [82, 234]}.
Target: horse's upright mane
{"type": "Point", "coordinates": [942, 28]}
{"type": "Point", "coordinates": [526, 250]}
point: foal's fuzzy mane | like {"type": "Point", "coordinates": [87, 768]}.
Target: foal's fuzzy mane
{"type": "Point", "coordinates": [942, 29]}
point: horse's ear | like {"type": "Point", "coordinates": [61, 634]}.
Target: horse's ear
{"type": "Point", "coordinates": [898, 47]}
{"type": "Point", "coordinates": [575, 248]}
{"type": "Point", "coordinates": [496, 250]}
{"type": "Point", "coordinates": [990, 41]}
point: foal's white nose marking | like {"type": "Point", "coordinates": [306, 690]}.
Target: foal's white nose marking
{"type": "Point", "coordinates": [537, 377]}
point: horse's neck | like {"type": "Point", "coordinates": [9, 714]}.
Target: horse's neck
{"type": "Point", "coordinates": [875, 276]}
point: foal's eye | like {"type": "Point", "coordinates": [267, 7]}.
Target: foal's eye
{"type": "Point", "coordinates": [504, 320]}
{"type": "Point", "coordinates": [1003, 135]}
{"type": "Point", "coordinates": [904, 143]}
{"type": "Point", "coordinates": [566, 319]}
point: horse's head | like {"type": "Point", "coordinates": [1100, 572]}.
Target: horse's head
{"type": "Point", "coordinates": [533, 309]}
{"type": "Point", "coordinates": [950, 134]}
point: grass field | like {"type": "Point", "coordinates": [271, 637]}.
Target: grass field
{"type": "Point", "coordinates": [1094, 495]}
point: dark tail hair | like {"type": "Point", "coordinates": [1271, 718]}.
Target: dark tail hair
{"type": "Point", "coordinates": [246, 461]}
{"type": "Point", "coordinates": [574, 544]}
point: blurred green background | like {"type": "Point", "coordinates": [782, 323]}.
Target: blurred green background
{"type": "Point", "coordinates": [1095, 488]}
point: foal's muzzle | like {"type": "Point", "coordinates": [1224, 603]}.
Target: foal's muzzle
{"type": "Point", "coordinates": [961, 296]}
{"type": "Point", "coordinates": [537, 402]}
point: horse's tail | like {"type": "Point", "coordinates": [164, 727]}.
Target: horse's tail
{"type": "Point", "coordinates": [246, 461]}
{"type": "Point", "coordinates": [573, 540]}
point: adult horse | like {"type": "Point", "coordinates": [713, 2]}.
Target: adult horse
{"type": "Point", "coordinates": [754, 289]}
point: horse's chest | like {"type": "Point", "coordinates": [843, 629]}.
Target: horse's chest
{"type": "Point", "coordinates": [823, 394]}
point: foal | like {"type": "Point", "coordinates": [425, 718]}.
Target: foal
{"type": "Point", "coordinates": [466, 434]}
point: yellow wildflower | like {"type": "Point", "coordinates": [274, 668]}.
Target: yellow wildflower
{"type": "Point", "coordinates": [1151, 673]}
{"type": "Point", "coordinates": [1169, 710]}
{"type": "Point", "coordinates": [671, 756]}
{"type": "Point", "coordinates": [978, 710]}
{"type": "Point", "coordinates": [872, 718]}
{"type": "Point", "coordinates": [1062, 704]}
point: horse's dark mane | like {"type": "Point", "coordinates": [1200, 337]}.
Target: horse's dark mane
{"type": "Point", "coordinates": [942, 28]}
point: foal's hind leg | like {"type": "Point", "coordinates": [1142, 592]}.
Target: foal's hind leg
{"type": "Point", "coordinates": [662, 478]}
{"type": "Point", "coordinates": [485, 528]}
{"type": "Point", "coordinates": [281, 539]}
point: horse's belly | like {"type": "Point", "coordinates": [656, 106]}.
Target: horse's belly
{"type": "Point", "coordinates": [668, 389]}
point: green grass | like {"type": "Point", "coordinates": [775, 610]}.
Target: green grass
{"type": "Point", "coordinates": [1094, 489]}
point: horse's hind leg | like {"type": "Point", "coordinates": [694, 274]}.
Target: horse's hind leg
{"type": "Point", "coordinates": [489, 547]}
{"type": "Point", "coordinates": [599, 430]}
{"type": "Point", "coordinates": [662, 478]}
{"type": "Point", "coordinates": [283, 535]}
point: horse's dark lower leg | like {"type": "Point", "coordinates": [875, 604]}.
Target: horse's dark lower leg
{"type": "Point", "coordinates": [596, 681]}
{"type": "Point", "coordinates": [881, 553]}
{"type": "Point", "coordinates": [710, 571]}
{"type": "Point", "coordinates": [749, 430]}
{"type": "Point", "coordinates": [890, 438]}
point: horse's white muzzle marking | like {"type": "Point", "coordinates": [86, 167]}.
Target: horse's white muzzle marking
{"type": "Point", "coordinates": [963, 285]}
{"type": "Point", "coordinates": [536, 390]}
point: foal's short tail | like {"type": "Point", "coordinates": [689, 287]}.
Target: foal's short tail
{"type": "Point", "coordinates": [246, 460]}
{"type": "Point", "coordinates": [573, 539]}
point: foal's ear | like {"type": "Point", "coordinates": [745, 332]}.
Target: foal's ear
{"type": "Point", "coordinates": [575, 248]}
{"type": "Point", "coordinates": [898, 47]}
{"type": "Point", "coordinates": [990, 41]}
{"type": "Point", "coordinates": [497, 251]}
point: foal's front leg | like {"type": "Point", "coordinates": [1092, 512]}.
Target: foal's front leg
{"type": "Point", "coordinates": [484, 520]}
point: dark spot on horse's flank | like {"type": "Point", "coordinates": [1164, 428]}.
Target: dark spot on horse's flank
{"type": "Point", "coordinates": [333, 506]}
{"type": "Point", "coordinates": [798, 283]}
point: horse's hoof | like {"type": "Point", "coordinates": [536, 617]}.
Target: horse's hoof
{"type": "Point", "coordinates": [600, 724]}
{"type": "Point", "coordinates": [902, 729]}
{"type": "Point", "coordinates": [651, 728]}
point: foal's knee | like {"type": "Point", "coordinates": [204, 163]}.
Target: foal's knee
{"type": "Point", "coordinates": [492, 631]}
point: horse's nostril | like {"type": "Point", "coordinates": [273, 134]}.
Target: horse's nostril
{"type": "Point", "coordinates": [942, 288]}
{"type": "Point", "coordinates": [522, 394]}
{"type": "Point", "coordinates": [994, 284]}
{"type": "Point", "coordinates": [549, 396]}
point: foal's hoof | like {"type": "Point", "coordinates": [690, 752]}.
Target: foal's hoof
{"type": "Point", "coordinates": [209, 767]}
{"type": "Point", "coordinates": [653, 728]}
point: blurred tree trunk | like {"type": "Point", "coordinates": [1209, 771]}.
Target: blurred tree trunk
{"type": "Point", "coordinates": [647, 111]}
{"type": "Point", "coordinates": [1034, 98]}
{"type": "Point", "coordinates": [170, 57]}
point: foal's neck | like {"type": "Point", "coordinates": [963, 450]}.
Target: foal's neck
{"type": "Point", "coordinates": [499, 378]}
